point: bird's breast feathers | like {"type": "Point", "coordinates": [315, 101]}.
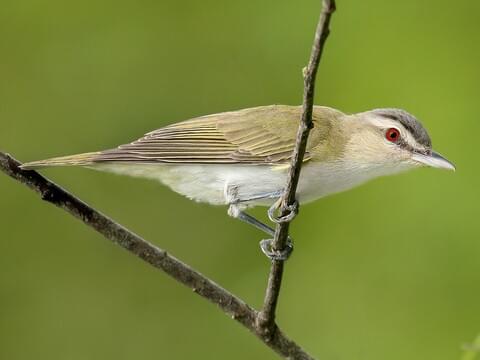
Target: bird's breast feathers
{"type": "Point", "coordinates": [208, 183]}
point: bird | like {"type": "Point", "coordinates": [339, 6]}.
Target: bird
{"type": "Point", "coordinates": [241, 158]}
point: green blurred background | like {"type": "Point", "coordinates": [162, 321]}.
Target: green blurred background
{"type": "Point", "coordinates": [389, 270]}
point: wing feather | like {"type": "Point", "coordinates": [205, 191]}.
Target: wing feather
{"type": "Point", "coordinates": [243, 136]}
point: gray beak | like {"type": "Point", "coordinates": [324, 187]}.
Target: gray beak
{"type": "Point", "coordinates": [434, 160]}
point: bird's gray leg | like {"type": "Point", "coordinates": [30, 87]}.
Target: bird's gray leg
{"type": "Point", "coordinates": [236, 207]}
{"type": "Point", "coordinates": [249, 219]}
{"type": "Point", "coordinates": [292, 209]}
{"type": "Point", "coordinates": [235, 211]}
{"type": "Point", "coordinates": [266, 244]}
{"type": "Point", "coordinates": [262, 196]}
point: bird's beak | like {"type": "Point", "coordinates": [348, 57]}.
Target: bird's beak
{"type": "Point", "coordinates": [434, 160]}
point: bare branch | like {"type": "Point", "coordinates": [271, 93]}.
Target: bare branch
{"type": "Point", "coordinates": [262, 323]}
{"type": "Point", "coordinates": [231, 305]}
{"type": "Point", "coordinates": [266, 317]}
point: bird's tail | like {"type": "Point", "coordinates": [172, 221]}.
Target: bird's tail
{"type": "Point", "coordinates": [72, 160]}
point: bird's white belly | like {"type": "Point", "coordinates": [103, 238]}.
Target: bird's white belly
{"type": "Point", "coordinates": [208, 183]}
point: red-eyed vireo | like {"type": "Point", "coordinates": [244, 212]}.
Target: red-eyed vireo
{"type": "Point", "coordinates": [241, 158]}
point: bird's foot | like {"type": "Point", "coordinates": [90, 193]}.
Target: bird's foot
{"type": "Point", "coordinates": [292, 212]}
{"type": "Point", "coordinates": [276, 255]}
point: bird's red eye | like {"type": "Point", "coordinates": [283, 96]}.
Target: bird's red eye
{"type": "Point", "coordinates": [392, 135]}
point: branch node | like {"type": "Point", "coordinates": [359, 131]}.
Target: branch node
{"type": "Point", "coordinates": [265, 326]}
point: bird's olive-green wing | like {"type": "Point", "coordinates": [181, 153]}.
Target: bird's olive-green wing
{"type": "Point", "coordinates": [262, 135]}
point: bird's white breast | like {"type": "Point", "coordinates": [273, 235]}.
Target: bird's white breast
{"type": "Point", "coordinates": [208, 183]}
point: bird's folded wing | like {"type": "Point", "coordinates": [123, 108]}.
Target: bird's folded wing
{"type": "Point", "coordinates": [263, 135]}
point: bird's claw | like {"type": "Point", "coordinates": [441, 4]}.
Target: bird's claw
{"type": "Point", "coordinates": [292, 212]}
{"type": "Point", "coordinates": [276, 255]}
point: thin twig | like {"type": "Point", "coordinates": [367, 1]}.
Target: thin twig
{"type": "Point", "coordinates": [266, 317]}
{"type": "Point", "coordinates": [231, 305]}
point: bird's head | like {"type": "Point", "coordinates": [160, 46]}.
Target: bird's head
{"type": "Point", "coordinates": [390, 141]}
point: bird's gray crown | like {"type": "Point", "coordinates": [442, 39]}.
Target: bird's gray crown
{"type": "Point", "coordinates": [410, 123]}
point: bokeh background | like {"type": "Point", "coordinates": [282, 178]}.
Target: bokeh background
{"type": "Point", "coordinates": [390, 270]}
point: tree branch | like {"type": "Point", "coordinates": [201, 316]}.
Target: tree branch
{"type": "Point", "coordinates": [230, 304]}
{"type": "Point", "coordinates": [266, 317]}
{"type": "Point", "coordinates": [262, 323]}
